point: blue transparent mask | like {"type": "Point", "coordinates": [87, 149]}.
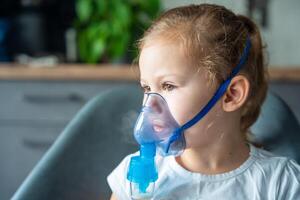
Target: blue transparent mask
{"type": "Point", "coordinates": [156, 124]}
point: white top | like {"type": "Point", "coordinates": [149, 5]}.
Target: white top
{"type": "Point", "coordinates": [262, 176]}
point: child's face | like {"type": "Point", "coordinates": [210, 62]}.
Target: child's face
{"type": "Point", "coordinates": [165, 70]}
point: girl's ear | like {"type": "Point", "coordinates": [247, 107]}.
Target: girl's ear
{"type": "Point", "coordinates": [236, 94]}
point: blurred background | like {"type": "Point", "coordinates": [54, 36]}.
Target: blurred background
{"type": "Point", "coordinates": [55, 55]}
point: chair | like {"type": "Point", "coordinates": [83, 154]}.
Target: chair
{"type": "Point", "coordinates": [100, 135]}
{"type": "Point", "coordinates": [277, 128]}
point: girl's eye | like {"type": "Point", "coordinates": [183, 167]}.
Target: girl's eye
{"type": "Point", "coordinates": [146, 88]}
{"type": "Point", "coordinates": [168, 86]}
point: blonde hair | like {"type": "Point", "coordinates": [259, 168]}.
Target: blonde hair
{"type": "Point", "coordinates": [213, 38]}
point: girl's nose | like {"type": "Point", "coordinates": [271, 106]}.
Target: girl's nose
{"type": "Point", "coordinates": [155, 105]}
{"type": "Point", "coordinates": [154, 102]}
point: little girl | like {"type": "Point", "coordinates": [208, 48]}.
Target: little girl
{"type": "Point", "coordinates": [185, 56]}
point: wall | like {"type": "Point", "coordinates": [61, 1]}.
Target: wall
{"type": "Point", "coordinates": [281, 36]}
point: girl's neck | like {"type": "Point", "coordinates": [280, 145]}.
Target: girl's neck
{"type": "Point", "coordinates": [215, 158]}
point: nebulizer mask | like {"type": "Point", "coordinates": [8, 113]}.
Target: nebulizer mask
{"type": "Point", "coordinates": [156, 131]}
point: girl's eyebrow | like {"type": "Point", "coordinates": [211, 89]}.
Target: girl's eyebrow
{"type": "Point", "coordinates": [161, 77]}
{"type": "Point", "coordinates": [170, 75]}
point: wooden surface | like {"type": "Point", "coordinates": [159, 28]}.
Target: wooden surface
{"type": "Point", "coordinates": [285, 74]}
{"type": "Point", "coordinates": [106, 72]}
{"type": "Point", "coordinates": [68, 72]}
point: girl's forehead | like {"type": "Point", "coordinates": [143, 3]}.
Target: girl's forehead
{"type": "Point", "coordinates": [163, 57]}
{"type": "Point", "coordinates": [175, 74]}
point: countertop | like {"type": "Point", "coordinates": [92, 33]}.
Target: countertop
{"type": "Point", "coordinates": [107, 72]}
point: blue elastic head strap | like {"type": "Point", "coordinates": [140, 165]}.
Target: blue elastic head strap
{"type": "Point", "coordinates": [218, 94]}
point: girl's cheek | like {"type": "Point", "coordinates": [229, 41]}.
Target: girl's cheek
{"type": "Point", "coordinates": [179, 114]}
{"type": "Point", "coordinates": [172, 105]}
{"type": "Point", "coordinates": [179, 109]}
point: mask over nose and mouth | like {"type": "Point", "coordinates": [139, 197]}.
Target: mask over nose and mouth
{"type": "Point", "coordinates": [156, 124]}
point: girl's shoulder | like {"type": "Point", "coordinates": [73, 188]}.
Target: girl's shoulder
{"type": "Point", "coordinates": [285, 173]}
{"type": "Point", "coordinates": [282, 171]}
{"type": "Point", "coordinates": [117, 179]}
{"type": "Point", "coordinates": [268, 159]}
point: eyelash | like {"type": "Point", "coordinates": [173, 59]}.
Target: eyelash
{"type": "Point", "coordinates": [146, 88]}
{"type": "Point", "coordinates": [165, 86]}
{"type": "Point", "coordinates": [168, 86]}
